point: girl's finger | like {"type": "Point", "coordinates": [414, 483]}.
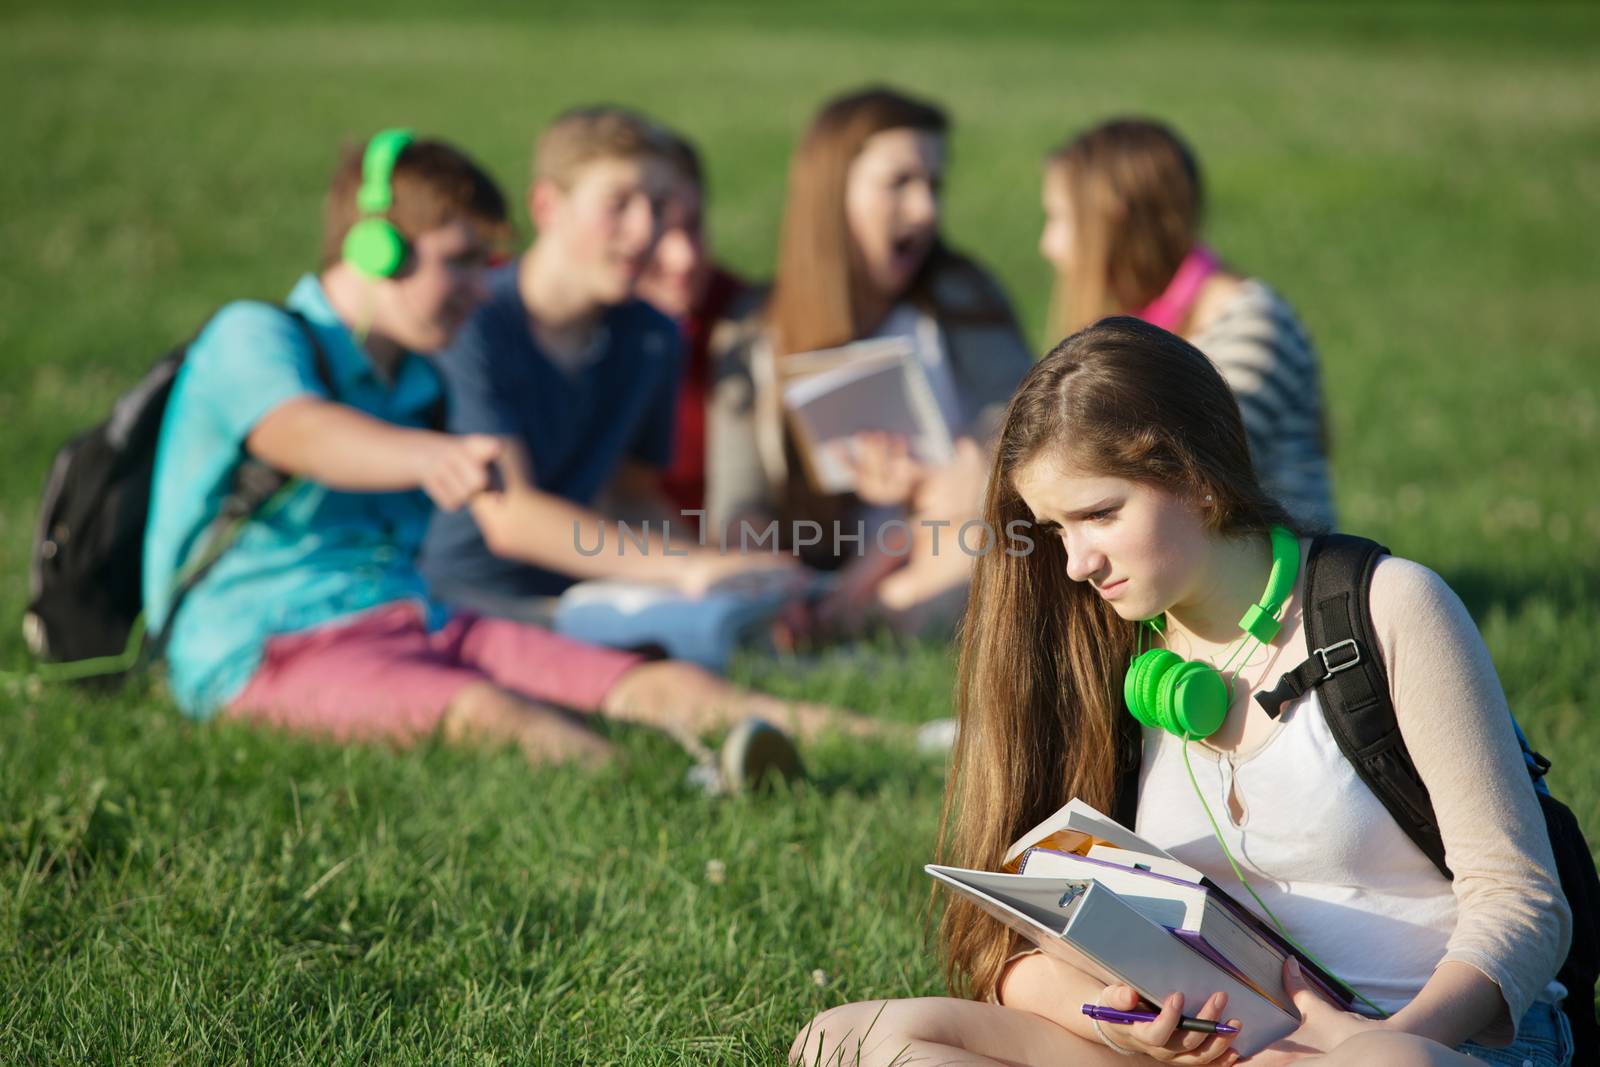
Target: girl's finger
{"type": "Point", "coordinates": [1158, 1032]}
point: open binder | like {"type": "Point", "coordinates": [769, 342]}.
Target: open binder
{"type": "Point", "coordinates": [1090, 892]}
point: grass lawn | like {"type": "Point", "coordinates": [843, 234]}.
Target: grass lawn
{"type": "Point", "coordinates": [1421, 181]}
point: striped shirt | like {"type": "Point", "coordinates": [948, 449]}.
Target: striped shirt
{"type": "Point", "coordinates": [1270, 364]}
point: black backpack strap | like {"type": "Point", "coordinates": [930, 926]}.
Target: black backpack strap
{"type": "Point", "coordinates": [1346, 668]}
{"type": "Point", "coordinates": [1354, 692]}
{"type": "Point", "coordinates": [254, 483]}
{"type": "Point", "coordinates": [438, 414]}
{"type": "Point", "coordinates": [319, 356]}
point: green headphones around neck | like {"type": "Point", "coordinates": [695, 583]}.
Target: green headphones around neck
{"type": "Point", "coordinates": [1189, 697]}
{"type": "Point", "coordinates": [373, 246]}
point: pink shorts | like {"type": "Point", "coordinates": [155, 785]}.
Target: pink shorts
{"type": "Point", "coordinates": [382, 674]}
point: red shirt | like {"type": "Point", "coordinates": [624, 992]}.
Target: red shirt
{"type": "Point", "coordinates": [684, 480]}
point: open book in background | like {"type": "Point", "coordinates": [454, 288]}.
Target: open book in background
{"type": "Point", "coordinates": [877, 385]}
{"type": "Point", "coordinates": [1173, 929]}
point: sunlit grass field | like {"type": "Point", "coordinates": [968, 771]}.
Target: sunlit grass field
{"type": "Point", "coordinates": [1423, 182]}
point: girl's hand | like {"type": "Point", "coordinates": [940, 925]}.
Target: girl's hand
{"type": "Point", "coordinates": [885, 471]}
{"type": "Point", "coordinates": [1160, 1039]}
{"type": "Point", "coordinates": [955, 490]}
{"type": "Point", "coordinates": [843, 612]}
{"type": "Point", "coordinates": [1322, 1025]}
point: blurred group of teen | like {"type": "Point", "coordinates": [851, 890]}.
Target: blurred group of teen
{"type": "Point", "coordinates": [458, 414]}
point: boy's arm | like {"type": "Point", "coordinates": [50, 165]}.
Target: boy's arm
{"type": "Point", "coordinates": [338, 446]}
{"type": "Point", "coordinates": [634, 494]}
{"type": "Point", "coordinates": [524, 522]}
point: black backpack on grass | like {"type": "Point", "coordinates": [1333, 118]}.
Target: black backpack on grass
{"type": "Point", "coordinates": [1346, 668]}
{"type": "Point", "coordinates": [85, 572]}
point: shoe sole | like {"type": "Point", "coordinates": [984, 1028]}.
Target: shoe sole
{"type": "Point", "coordinates": [756, 754]}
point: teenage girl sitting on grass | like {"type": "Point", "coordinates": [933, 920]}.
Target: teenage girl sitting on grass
{"type": "Point", "coordinates": [862, 257]}
{"type": "Point", "coordinates": [1124, 447]}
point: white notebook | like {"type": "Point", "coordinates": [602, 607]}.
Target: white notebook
{"type": "Point", "coordinates": [869, 386]}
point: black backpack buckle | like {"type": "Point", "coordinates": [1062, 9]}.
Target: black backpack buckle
{"type": "Point", "coordinates": [1331, 669]}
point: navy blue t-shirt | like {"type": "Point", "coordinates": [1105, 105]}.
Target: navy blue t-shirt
{"type": "Point", "coordinates": [578, 426]}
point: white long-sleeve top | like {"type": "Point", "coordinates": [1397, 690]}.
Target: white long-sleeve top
{"type": "Point", "coordinates": [1330, 861]}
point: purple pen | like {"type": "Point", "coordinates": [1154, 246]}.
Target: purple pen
{"type": "Point", "coordinates": [1128, 1018]}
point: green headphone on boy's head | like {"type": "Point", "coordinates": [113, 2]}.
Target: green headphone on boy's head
{"type": "Point", "coordinates": [373, 246]}
{"type": "Point", "coordinates": [1189, 697]}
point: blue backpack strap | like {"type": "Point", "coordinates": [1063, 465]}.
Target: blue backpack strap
{"type": "Point", "coordinates": [1538, 765]}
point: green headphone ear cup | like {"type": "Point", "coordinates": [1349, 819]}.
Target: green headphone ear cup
{"type": "Point", "coordinates": [1139, 687]}
{"type": "Point", "coordinates": [1193, 699]}
{"type": "Point", "coordinates": [374, 247]}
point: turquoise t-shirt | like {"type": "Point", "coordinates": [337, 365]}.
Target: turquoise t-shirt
{"type": "Point", "coordinates": [313, 556]}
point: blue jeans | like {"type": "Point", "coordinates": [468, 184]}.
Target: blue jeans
{"type": "Point", "coordinates": [1543, 1040]}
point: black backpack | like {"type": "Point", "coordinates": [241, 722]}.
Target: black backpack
{"type": "Point", "coordinates": [84, 608]}
{"type": "Point", "coordinates": [1346, 667]}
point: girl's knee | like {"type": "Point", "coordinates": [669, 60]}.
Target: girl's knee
{"type": "Point", "coordinates": [857, 1035]}
{"type": "Point", "coordinates": [485, 713]}
{"type": "Point", "coordinates": [826, 1038]}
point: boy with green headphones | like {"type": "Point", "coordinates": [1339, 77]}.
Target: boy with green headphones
{"type": "Point", "coordinates": [315, 616]}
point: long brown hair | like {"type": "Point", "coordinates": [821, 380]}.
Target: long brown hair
{"type": "Point", "coordinates": [813, 303]}
{"type": "Point", "coordinates": [1137, 202]}
{"type": "Point", "coordinates": [1042, 657]}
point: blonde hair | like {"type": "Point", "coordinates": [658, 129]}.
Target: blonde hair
{"type": "Point", "coordinates": [1137, 202]}
{"type": "Point", "coordinates": [585, 134]}
{"type": "Point", "coordinates": [1039, 689]}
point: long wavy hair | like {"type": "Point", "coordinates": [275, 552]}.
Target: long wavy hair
{"type": "Point", "coordinates": [1043, 657]}
{"type": "Point", "coordinates": [1137, 205]}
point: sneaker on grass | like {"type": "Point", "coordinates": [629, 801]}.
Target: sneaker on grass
{"type": "Point", "coordinates": [754, 756]}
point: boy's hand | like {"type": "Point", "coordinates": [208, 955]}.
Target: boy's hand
{"type": "Point", "coordinates": [843, 612]}
{"type": "Point", "coordinates": [455, 468]}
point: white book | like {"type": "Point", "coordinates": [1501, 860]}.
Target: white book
{"type": "Point", "coordinates": [1076, 816]}
{"type": "Point", "coordinates": [1084, 923]}
{"type": "Point", "coordinates": [1143, 861]}
{"type": "Point", "coordinates": [873, 386]}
